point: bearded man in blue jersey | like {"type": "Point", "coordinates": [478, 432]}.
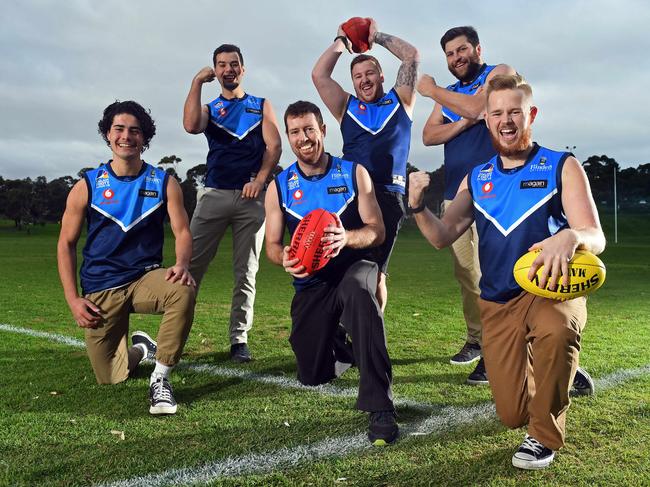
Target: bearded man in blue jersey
{"type": "Point", "coordinates": [456, 121]}
{"type": "Point", "coordinates": [243, 148]}
{"type": "Point", "coordinates": [344, 290]}
{"type": "Point", "coordinates": [375, 125]}
{"type": "Point", "coordinates": [527, 197]}
{"type": "Point", "coordinates": [125, 202]}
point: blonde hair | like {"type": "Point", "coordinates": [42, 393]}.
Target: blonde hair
{"type": "Point", "coordinates": [503, 82]}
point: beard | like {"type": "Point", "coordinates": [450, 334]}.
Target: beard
{"type": "Point", "coordinates": [230, 86]}
{"type": "Point", "coordinates": [473, 67]}
{"type": "Point", "coordinates": [518, 146]}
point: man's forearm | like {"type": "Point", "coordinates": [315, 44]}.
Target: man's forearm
{"type": "Point", "coordinates": [270, 159]}
{"type": "Point", "coordinates": [370, 235]}
{"type": "Point", "coordinates": [405, 52]}
{"type": "Point", "coordinates": [192, 108]}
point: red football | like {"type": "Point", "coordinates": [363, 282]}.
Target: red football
{"type": "Point", "coordinates": [306, 243]}
{"type": "Point", "coordinates": [357, 29]}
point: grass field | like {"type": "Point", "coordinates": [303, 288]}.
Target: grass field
{"type": "Point", "coordinates": [254, 425]}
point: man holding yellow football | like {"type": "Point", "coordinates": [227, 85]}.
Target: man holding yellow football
{"type": "Point", "coordinates": [531, 344]}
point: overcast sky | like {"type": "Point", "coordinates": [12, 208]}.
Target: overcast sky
{"type": "Point", "coordinates": [62, 63]}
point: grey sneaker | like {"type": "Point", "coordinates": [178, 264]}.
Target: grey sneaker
{"type": "Point", "coordinates": [532, 455]}
{"type": "Point", "coordinates": [583, 384]}
{"type": "Point", "coordinates": [240, 353]}
{"type": "Point", "coordinates": [479, 376]}
{"type": "Point", "coordinates": [147, 341]}
{"type": "Point", "coordinates": [470, 353]}
{"type": "Point", "coordinates": [383, 429]}
{"type": "Point", "coordinates": [161, 397]}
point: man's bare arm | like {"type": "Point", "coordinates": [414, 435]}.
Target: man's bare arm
{"type": "Point", "coordinates": [467, 106]}
{"type": "Point", "coordinates": [334, 97]}
{"type": "Point", "coordinates": [436, 131]}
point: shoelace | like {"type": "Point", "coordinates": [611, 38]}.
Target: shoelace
{"type": "Point", "coordinates": [162, 391]}
{"type": "Point", "coordinates": [533, 445]}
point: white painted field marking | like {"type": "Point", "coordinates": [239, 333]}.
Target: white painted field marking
{"type": "Point", "coordinates": [444, 419]}
{"type": "Point", "coordinates": [220, 371]}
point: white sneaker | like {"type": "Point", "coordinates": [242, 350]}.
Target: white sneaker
{"type": "Point", "coordinates": [532, 455]}
{"type": "Point", "coordinates": [161, 397]}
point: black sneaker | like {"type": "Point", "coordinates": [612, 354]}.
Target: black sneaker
{"type": "Point", "coordinates": [479, 376]}
{"type": "Point", "coordinates": [240, 353]}
{"type": "Point", "coordinates": [383, 429]}
{"type": "Point", "coordinates": [532, 455]}
{"type": "Point", "coordinates": [147, 341]}
{"type": "Point", "coordinates": [470, 353]}
{"type": "Point", "coordinates": [583, 384]}
{"type": "Point", "coordinates": [161, 397]}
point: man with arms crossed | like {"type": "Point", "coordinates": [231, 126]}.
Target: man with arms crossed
{"type": "Point", "coordinates": [125, 202]}
{"type": "Point", "coordinates": [456, 122]}
{"type": "Point", "coordinates": [526, 197]}
{"type": "Point", "coordinates": [344, 290]}
{"type": "Point", "coordinates": [376, 126]}
{"type": "Point", "coordinates": [244, 147]}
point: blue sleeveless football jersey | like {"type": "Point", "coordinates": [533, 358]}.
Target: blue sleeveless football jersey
{"type": "Point", "coordinates": [235, 142]}
{"type": "Point", "coordinates": [514, 209]}
{"type": "Point", "coordinates": [378, 136]}
{"type": "Point", "coordinates": [125, 226]}
{"type": "Point", "coordinates": [335, 191]}
{"type": "Point", "coordinates": [472, 146]}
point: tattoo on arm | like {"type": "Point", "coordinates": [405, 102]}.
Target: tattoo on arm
{"type": "Point", "coordinates": [408, 71]}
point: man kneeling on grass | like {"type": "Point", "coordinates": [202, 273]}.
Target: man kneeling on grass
{"type": "Point", "coordinates": [125, 202]}
{"type": "Point", "coordinates": [526, 197]}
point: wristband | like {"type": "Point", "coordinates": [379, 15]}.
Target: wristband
{"type": "Point", "coordinates": [418, 209]}
{"type": "Point", "coordinates": [343, 38]}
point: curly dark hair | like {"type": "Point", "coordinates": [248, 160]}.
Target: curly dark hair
{"type": "Point", "coordinates": [129, 107]}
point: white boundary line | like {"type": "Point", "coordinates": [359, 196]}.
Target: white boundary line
{"type": "Point", "coordinates": [220, 371]}
{"type": "Point", "coordinates": [259, 463]}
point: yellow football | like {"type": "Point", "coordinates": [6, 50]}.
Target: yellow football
{"type": "Point", "coordinates": [586, 274]}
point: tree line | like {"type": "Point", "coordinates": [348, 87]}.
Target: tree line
{"type": "Point", "coordinates": [37, 201]}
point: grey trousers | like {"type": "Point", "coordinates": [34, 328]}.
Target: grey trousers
{"type": "Point", "coordinates": [216, 209]}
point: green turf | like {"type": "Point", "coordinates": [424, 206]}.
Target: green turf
{"type": "Point", "coordinates": [56, 423]}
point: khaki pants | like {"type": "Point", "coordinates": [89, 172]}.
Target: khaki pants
{"type": "Point", "coordinates": [531, 347]}
{"type": "Point", "coordinates": [468, 273]}
{"type": "Point", "coordinates": [151, 294]}
{"type": "Point", "coordinates": [216, 209]}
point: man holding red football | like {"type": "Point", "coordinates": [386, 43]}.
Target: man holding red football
{"type": "Point", "coordinates": [376, 126]}
{"type": "Point", "coordinates": [344, 290]}
{"type": "Point", "coordinates": [531, 344]}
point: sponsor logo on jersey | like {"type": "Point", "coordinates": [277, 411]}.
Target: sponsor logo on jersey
{"type": "Point", "coordinates": [487, 187]}
{"type": "Point", "coordinates": [148, 193]}
{"type": "Point", "coordinates": [297, 195]}
{"type": "Point", "coordinates": [152, 178]}
{"type": "Point", "coordinates": [108, 193]}
{"type": "Point", "coordinates": [362, 107]}
{"type": "Point", "coordinates": [337, 189]}
{"type": "Point", "coordinates": [533, 184]}
{"type": "Point", "coordinates": [476, 86]}
{"type": "Point", "coordinates": [256, 111]}
{"type": "Point", "coordinates": [222, 112]}
{"type": "Point", "coordinates": [399, 180]}
{"type": "Point", "coordinates": [387, 101]}
{"type": "Point", "coordinates": [541, 165]}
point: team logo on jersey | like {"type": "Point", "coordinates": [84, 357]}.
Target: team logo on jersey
{"type": "Point", "coordinates": [297, 195]}
{"type": "Point", "coordinates": [485, 174]}
{"type": "Point", "coordinates": [102, 180]}
{"type": "Point", "coordinates": [293, 181]}
{"type": "Point", "coordinates": [218, 105]}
